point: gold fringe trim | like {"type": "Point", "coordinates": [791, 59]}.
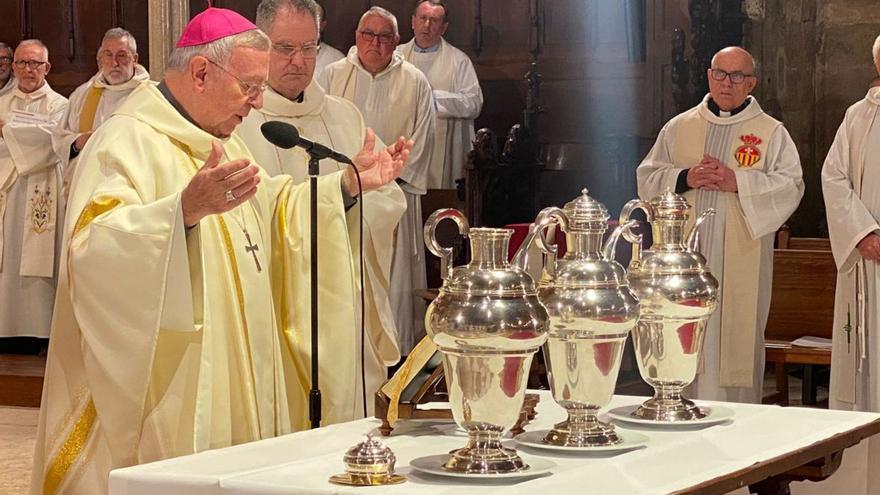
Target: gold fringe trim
{"type": "Point", "coordinates": [96, 207]}
{"type": "Point", "coordinates": [70, 450]}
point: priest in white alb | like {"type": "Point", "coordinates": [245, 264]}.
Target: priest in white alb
{"type": "Point", "coordinates": [457, 95]}
{"type": "Point", "coordinates": [326, 53]}
{"type": "Point", "coordinates": [30, 203]}
{"type": "Point", "coordinates": [395, 99]}
{"type": "Point", "coordinates": [295, 98]}
{"type": "Point", "coordinates": [7, 81]}
{"type": "Point", "coordinates": [95, 100]}
{"type": "Point", "coordinates": [727, 154]}
{"type": "Point", "coordinates": [183, 282]}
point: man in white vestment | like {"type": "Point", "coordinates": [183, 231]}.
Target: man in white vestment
{"type": "Point", "coordinates": [7, 82]}
{"type": "Point", "coordinates": [395, 100]}
{"type": "Point", "coordinates": [851, 187]}
{"type": "Point", "coordinates": [326, 53]}
{"type": "Point", "coordinates": [727, 154]}
{"type": "Point", "coordinates": [183, 281]}
{"type": "Point", "coordinates": [92, 103]}
{"type": "Point", "coordinates": [30, 203]}
{"type": "Point", "coordinates": [456, 90]}
{"type": "Point", "coordinates": [295, 98]}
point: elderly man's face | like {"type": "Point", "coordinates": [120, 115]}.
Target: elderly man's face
{"type": "Point", "coordinates": [429, 24]}
{"type": "Point", "coordinates": [376, 42]}
{"type": "Point", "coordinates": [5, 65]}
{"type": "Point", "coordinates": [731, 64]}
{"type": "Point", "coordinates": [294, 38]}
{"type": "Point", "coordinates": [30, 66]}
{"type": "Point", "coordinates": [116, 61]}
{"type": "Point", "coordinates": [233, 89]}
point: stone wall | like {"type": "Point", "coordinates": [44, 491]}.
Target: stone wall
{"type": "Point", "coordinates": [815, 61]}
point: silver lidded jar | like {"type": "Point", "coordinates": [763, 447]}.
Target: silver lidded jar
{"type": "Point", "coordinates": [487, 323]}
{"type": "Point", "coordinates": [677, 294]}
{"type": "Point", "coordinates": [591, 314]}
{"type": "Point", "coordinates": [369, 463]}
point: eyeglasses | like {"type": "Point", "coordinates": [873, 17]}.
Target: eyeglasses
{"type": "Point", "coordinates": [309, 50]}
{"type": "Point", "coordinates": [31, 64]}
{"type": "Point", "coordinates": [5, 60]}
{"type": "Point", "coordinates": [250, 90]}
{"type": "Point", "coordinates": [736, 77]}
{"type": "Point", "coordinates": [384, 38]}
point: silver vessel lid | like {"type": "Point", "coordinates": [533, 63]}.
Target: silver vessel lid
{"type": "Point", "coordinates": [585, 213]}
{"type": "Point", "coordinates": [670, 206]}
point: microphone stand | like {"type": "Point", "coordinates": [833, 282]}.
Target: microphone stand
{"type": "Point", "coordinates": [315, 392]}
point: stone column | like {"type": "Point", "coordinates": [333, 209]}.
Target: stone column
{"type": "Point", "coordinates": [167, 19]}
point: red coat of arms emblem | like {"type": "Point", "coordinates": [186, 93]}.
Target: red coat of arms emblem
{"type": "Point", "coordinates": [748, 154]}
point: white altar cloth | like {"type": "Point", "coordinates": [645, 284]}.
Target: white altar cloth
{"type": "Point", "coordinates": [300, 463]}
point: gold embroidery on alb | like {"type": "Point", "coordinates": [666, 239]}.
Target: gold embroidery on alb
{"type": "Point", "coordinates": [41, 206]}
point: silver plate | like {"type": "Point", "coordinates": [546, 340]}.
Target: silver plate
{"type": "Point", "coordinates": [433, 464]}
{"type": "Point", "coordinates": [631, 440]}
{"type": "Point", "coordinates": [717, 414]}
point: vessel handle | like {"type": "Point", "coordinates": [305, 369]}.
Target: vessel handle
{"type": "Point", "coordinates": [693, 242]}
{"type": "Point", "coordinates": [628, 233]}
{"type": "Point", "coordinates": [546, 217]}
{"type": "Point", "coordinates": [444, 253]}
{"type": "Point", "coordinates": [609, 251]}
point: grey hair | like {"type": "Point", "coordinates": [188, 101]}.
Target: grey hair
{"type": "Point", "coordinates": [267, 11]}
{"type": "Point", "coordinates": [875, 50]}
{"type": "Point", "coordinates": [118, 33]}
{"type": "Point", "coordinates": [379, 11]}
{"type": "Point", "coordinates": [4, 46]}
{"type": "Point", "coordinates": [219, 50]}
{"type": "Point", "coordinates": [435, 3]}
{"type": "Point", "coordinates": [35, 42]}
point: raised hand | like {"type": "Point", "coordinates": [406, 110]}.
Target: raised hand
{"type": "Point", "coordinates": [218, 187]}
{"type": "Point", "coordinates": [376, 168]}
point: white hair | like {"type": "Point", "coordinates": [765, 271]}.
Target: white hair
{"type": "Point", "coordinates": [118, 33]}
{"type": "Point", "coordinates": [875, 50]}
{"type": "Point", "coordinates": [379, 11]}
{"type": "Point", "coordinates": [35, 42]}
{"type": "Point", "coordinates": [219, 50]}
{"type": "Point", "coordinates": [5, 47]}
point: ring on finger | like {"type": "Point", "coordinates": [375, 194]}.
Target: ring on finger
{"type": "Point", "coordinates": [230, 197]}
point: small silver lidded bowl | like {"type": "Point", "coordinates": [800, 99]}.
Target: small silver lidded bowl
{"type": "Point", "coordinates": [369, 463]}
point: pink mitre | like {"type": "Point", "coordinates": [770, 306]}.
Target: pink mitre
{"type": "Point", "coordinates": [213, 24]}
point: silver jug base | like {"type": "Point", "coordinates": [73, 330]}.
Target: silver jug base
{"type": "Point", "coordinates": [478, 460]}
{"type": "Point", "coordinates": [667, 410]}
{"type": "Point", "coordinates": [593, 434]}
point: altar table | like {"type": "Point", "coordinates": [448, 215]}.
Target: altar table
{"type": "Point", "coordinates": [763, 446]}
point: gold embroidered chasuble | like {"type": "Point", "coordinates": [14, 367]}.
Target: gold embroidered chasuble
{"type": "Point", "coordinates": [167, 342]}
{"type": "Point", "coordinates": [337, 123]}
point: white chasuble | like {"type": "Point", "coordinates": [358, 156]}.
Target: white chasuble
{"type": "Point", "coordinates": [397, 102]}
{"type": "Point", "coordinates": [30, 211]}
{"type": "Point", "coordinates": [738, 240]}
{"type": "Point", "coordinates": [326, 56]}
{"type": "Point", "coordinates": [336, 123]}
{"type": "Point", "coordinates": [851, 187]}
{"type": "Point", "coordinates": [9, 86]}
{"type": "Point", "coordinates": [166, 340]}
{"type": "Point", "coordinates": [90, 105]}
{"type": "Point", "coordinates": [458, 100]}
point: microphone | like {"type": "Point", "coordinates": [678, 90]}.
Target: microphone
{"type": "Point", "coordinates": [285, 136]}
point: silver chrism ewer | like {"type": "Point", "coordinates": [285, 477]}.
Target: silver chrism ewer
{"type": "Point", "coordinates": [591, 314]}
{"type": "Point", "coordinates": [487, 323]}
{"type": "Point", "coordinates": [677, 294]}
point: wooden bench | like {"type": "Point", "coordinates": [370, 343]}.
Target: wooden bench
{"type": "Point", "coordinates": [802, 304]}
